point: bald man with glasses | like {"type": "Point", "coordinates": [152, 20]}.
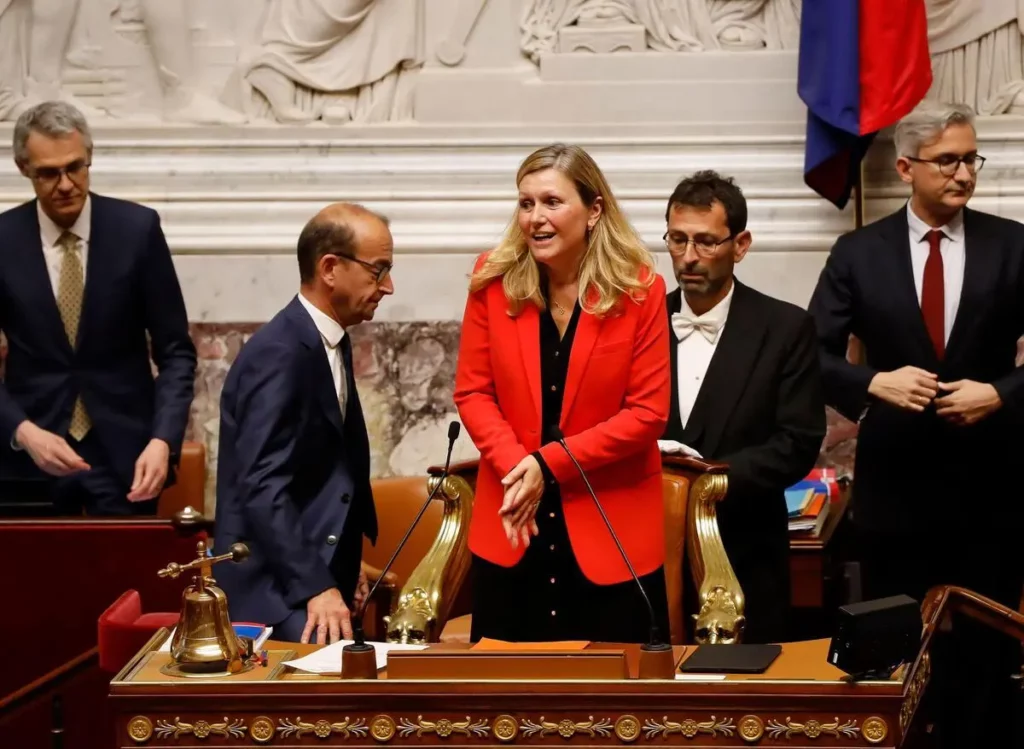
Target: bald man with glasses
{"type": "Point", "coordinates": [293, 477]}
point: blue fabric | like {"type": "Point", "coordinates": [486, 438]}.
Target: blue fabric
{"type": "Point", "coordinates": [828, 82]}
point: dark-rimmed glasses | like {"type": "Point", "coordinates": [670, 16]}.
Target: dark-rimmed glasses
{"type": "Point", "coordinates": [948, 164]}
{"type": "Point", "coordinates": [380, 272]}
{"type": "Point", "coordinates": [46, 175]}
{"type": "Point", "coordinates": [678, 245]}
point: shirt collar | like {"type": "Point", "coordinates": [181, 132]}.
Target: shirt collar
{"type": "Point", "coordinates": [717, 314]}
{"type": "Point", "coordinates": [329, 329]}
{"type": "Point", "coordinates": [953, 229]}
{"type": "Point", "coordinates": [81, 228]}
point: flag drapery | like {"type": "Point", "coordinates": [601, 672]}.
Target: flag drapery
{"type": "Point", "coordinates": [864, 64]}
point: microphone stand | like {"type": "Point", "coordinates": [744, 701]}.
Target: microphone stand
{"type": "Point", "coordinates": [656, 657]}
{"type": "Point", "coordinates": [359, 658]}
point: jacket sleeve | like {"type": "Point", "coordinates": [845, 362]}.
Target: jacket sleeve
{"type": "Point", "coordinates": [172, 347]}
{"type": "Point", "coordinates": [832, 307]}
{"type": "Point", "coordinates": [266, 411]}
{"type": "Point", "coordinates": [475, 396]}
{"type": "Point", "coordinates": [1011, 385]}
{"type": "Point", "coordinates": [792, 450]}
{"type": "Point", "coordinates": [644, 413]}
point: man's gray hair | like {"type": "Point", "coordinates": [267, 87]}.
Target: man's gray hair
{"type": "Point", "coordinates": [54, 119]}
{"type": "Point", "coordinates": [926, 123]}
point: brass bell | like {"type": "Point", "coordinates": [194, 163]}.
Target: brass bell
{"type": "Point", "coordinates": [204, 642]}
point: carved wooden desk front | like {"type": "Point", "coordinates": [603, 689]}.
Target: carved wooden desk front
{"type": "Point", "coordinates": [800, 701]}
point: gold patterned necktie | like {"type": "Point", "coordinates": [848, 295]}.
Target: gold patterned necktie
{"type": "Point", "coordinates": [70, 291]}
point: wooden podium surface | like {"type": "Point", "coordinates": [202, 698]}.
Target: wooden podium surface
{"type": "Point", "coordinates": [800, 701]}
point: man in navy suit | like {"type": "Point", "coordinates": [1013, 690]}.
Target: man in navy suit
{"type": "Point", "coordinates": [87, 293]}
{"type": "Point", "coordinates": [935, 291]}
{"type": "Point", "coordinates": [293, 476]}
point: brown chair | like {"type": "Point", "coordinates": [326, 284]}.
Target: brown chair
{"type": "Point", "coordinates": [691, 490]}
{"type": "Point", "coordinates": [190, 488]}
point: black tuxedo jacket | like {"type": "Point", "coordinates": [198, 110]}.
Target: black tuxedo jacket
{"type": "Point", "coordinates": [293, 478]}
{"type": "Point", "coordinates": [131, 292]}
{"type": "Point", "coordinates": [761, 410]}
{"type": "Point", "coordinates": [913, 470]}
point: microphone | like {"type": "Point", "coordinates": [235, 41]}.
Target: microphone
{"type": "Point", "coordinates": [359, 647]}
{"type": "Point", "coordinates": [654, 643]}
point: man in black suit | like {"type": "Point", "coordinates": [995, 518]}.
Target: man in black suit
{"type": "Point", "coordinates": [746, 389]}
{"type": "Point", "coordinates": [935, 292]}
{"type": "Point", "coordinates": [88, 292]}
{"type": "Point", "coordinates": [294, 464]}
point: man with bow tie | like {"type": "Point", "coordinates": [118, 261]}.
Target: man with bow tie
{"type": "Point", "coordinates": [746, 389]}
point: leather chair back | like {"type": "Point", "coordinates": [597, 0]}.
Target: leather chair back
{"type": "Point", "coordinates": [398, 500]}
{"type": "Point", "coordinates": [190, 487]}
{"type": "Point", "coordinates": [676, 489]}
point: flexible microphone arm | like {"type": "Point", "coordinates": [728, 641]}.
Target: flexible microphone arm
{"type": "Point", "coordinates": [655, 641]}
{"type": "Point", "coordinates": [358, 636]}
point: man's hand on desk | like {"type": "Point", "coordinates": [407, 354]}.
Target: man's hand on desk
{"type": "Point", "coordinates": [329, 617]}
{"type": "Point", "coordinates": [49, 451]}
{"type": "Point", "coordinates": [909, 388]}
{"type": "Point", "coordinates": [150, 471]}
{"type": "Point", "coordinates": [967, 402]}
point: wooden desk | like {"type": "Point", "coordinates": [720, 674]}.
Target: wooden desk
{"type": "Point", "coordinates": [799, 701]}
{"type": "Point", "coordinates": [813, 569]}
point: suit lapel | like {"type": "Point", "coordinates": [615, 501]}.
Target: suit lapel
{"type": "Point", "coordinates": [36, 277]}
{"type": "Point", "coordinates": [528, 330]}
{"type": "Point", "coordinates": [100, 265]}
{"type": "Point", "coordinates": [982, 251]}
{"type": "Point", "coordinates": [674, 428]}
{"type": "Point", "coordinates": [897, 233]}
{"type": "Point", "coordinates": [587, 331]}
{"type": "Point", "coordinates": [320, 369]}
{"type": "Point", "coordinates": [737, 351]}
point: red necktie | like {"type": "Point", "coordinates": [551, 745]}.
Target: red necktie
{"type": "Point", "coordinates": [933, 297]}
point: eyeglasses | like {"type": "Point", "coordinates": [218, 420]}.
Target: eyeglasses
{"type": "Point", "coordinates": [380, 271]}
{"type": "Point", "coordinates": [677, 245]}
{"type": "Point", "coordinates": [46, 175]}
{"type": "Point", "coordinates": [949, 164]}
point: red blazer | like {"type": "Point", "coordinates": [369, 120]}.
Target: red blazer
{"type": "Point", "coordinates": [614, 410]}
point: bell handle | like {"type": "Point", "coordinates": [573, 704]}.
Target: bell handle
{"type": "Point", "coordinates": [237, 554]}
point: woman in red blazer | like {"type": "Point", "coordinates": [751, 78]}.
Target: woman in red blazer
{"type": "Point", "coordinates": [565, 327]}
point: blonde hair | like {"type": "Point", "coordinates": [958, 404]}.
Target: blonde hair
{"type": "Point", "coordinates": [615, 263]}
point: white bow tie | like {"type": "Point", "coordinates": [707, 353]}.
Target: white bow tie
{"type": "Point", "coordinates": [684, 324]}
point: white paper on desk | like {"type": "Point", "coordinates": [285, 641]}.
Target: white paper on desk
{"type": "Point", "coordinates": [700, 677]}
{"type": "Point", "coordinates": [327, 660]}
{"type": "Point", "coordinates": [671, 447]}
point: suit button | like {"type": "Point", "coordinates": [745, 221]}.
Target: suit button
{"type": "Point", "coordinates": [345, 499]}
{"type": "Point", "coordinates": [332, 540]}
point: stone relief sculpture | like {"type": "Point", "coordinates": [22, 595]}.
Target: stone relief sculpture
{"type": "Point", "coordinates": [658, 25]}
{"type": "Point", "coordinates": [35, 42]}
{"type": "Point", "coordinates": [976, 48]}
{"type": "Point", "coordinates": [332, 60]}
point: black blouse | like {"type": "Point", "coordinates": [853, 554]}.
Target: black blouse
{"type": "Point", "coordinates": [554, 366]}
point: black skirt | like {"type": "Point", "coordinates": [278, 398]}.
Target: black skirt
{"type": "Point", "coordinates": [546, 597]}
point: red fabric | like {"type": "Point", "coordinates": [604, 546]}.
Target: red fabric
{"type": "Point", "coordinates": [895, 66]}
{"type": "Point", "coordinates": [933, 296]}
{"type": "Point", "coordinates": [615, 407]}
{"type": "Point", "coordinates": [123, 629]}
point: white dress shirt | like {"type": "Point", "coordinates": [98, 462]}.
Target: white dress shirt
{"type": "Point", "coordinates": [49, 233]}
{"type": "Point", "coordinates": [952, 249]}
{"type": "Point", "coordinates": [331, 334]}
{"type": "Point", "coordinates": [695, 351]}
{"type": "Point", "coordinates": [53, 255]}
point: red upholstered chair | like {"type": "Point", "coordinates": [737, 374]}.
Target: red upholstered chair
{"type": "Point", "coordinates": [124, 629]}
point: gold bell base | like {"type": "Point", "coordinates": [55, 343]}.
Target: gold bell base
{"type": "Point", "coordinates": [192, 671]}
